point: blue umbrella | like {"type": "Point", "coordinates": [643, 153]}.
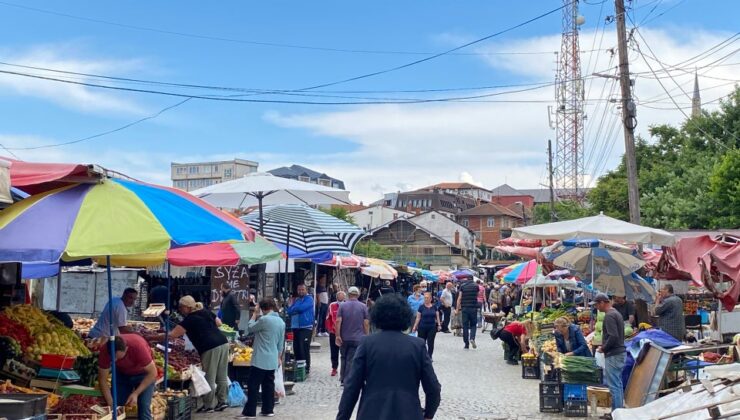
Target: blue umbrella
{"type": "Point", "coordinates": [464, 272]}
{"type": "Point", "coordinates": [607, 266]}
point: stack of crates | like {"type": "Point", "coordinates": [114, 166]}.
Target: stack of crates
{"type": "Point", "coordinates": [575, 400]}
{"type": "Point", "coordinates": [551, 397]}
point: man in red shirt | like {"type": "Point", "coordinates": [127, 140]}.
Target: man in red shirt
{"type": "Point", "coordinates": [331, 327]}
{"type": "Point", "coordinates": [135, 373]}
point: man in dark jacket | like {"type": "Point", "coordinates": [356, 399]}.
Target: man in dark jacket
{"type": "Point", "coordinates": [230, 310]}
{"type": "Point", "coordinates": [467, 305]}
{"type": "Point", "coordinates": [612, 345]}
{"type": "Point", "coordinates": [388, 368]}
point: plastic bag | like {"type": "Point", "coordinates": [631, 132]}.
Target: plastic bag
{"type": "Point", "coordinates": [279, 383]}
{"type": "Point", "coordinates": [600, 361]}
{"type": "Point", "coordinates": [200, 384]}
{"type": "Point", "coordinates": [236, 397]}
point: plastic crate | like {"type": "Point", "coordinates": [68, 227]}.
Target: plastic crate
{"type": "Point", "coordinates": [239, 373]}
{"type": "Point", "coordinates": [551, 374]}
{"type": "Point", "coordinates": [179, 408]}
{"type": "Point", "coordinates": [575, 392]}
{"type": "Point", "coordinates": [57, 361]}
{"type": "Point", "coordinates": [25, 406]}
{"type": "Point", "coordinates": [551, 403]}
{"type": "Point", "coordinates": [575, 408]}
{"type": "Point", "coordinates": [551, 389]}
{"type": "Point", "coordinates": [530, 361]}
{"type": "Point", "coordinates": [530, 372]}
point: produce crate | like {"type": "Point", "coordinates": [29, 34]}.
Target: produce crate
{"type": "Point", "coordinates": [530, 372]}
{"type": "Point", "coordinates": [551, 374]}
{"type": "Point", "coordinates": [530, 361]}
{"type": "Point", "coordinates": [575, 408]}
{"type": "Point", "coordinates": [575, 392]}
{"type": "Point", "coordinates": [551, 403]}
{"type": "Point", "coordinates": [602, 396]}
{"type": "Point", "coordinates": [179, 408]}
{"type": "Point", "coordinates": [25, 405]}
{"type": "Point", "coordinates": [551, 389]}
{"type": "Point", "coordinates": [57, 361]}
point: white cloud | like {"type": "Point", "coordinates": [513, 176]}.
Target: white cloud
{"type": "Point", "coordinates": [68, 57]}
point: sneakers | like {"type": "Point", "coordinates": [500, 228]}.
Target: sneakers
{"type": "Point", "coordinates": [512, 362]}
{"type": "Point", "coordinates": [221, 407]}
{"type": "Point", "coordinates": [333, 372]}
{"type": "Point", "coordinates": [323, 334]}
{"type": "Point", "coordinates": [267, 414]}
{"type": "Point", "coordinates": [472, 343]}
{"type": "Point", "coordinates": [466, 347]}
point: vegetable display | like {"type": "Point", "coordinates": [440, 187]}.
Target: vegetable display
{"type": "Point", "coordinates": [78, 404]}
{"type": "Point", "coordinates": [579, 369]}
{"type": "Point", "coordinates": [16, 331]}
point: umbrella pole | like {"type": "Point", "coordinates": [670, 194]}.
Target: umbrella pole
{"type": "Point", "coordinates": [260, 196]}
{"type": "Point", "coordinates": [167, 328]}
{"type": "Point", "coordinates": [287, 254]}
{"type": "Point", "coordinates": [111, 342]}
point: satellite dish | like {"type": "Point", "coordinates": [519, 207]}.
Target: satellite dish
{"type": "Point", "coordinates": [580, 20]}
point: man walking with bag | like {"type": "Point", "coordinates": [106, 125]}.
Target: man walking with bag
{"type": "Point", "coordinates": [446, 301]}
{"type": "Point", "coordinates": [269, 336]}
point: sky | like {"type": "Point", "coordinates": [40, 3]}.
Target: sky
{"type": "Point", "coordinates": [498, 135]}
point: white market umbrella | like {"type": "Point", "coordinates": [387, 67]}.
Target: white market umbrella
{"type": "Point", "coordinates": [376, 268]}
{"type": "Point", "coordinates": [544, 281]}
{"type": "Point", "coordinates": [600, 227]}
{"type": "Point", "coordinates": [261, 189]}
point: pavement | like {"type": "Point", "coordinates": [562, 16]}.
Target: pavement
{"type": "Point", "coordinates": [476, 385]}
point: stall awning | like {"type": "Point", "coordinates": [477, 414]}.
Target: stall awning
{"type": "Point", "coordinates": [34, 177]}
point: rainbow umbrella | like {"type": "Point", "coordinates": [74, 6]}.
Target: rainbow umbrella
{"type": "Point", "coordinates": [519, 273]}
{"type": "Point", "coordinates": [113, 217]}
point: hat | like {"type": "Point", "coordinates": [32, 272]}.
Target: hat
{"type": "Point", "coordinates": [187, 301]}
{"type": "Point", "coordinates": [601, 297]}
{"type": "Point", "coordinates": [354, 291]}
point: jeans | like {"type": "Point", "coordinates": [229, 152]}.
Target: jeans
{"type": "Point", "coordinates": [512, 343]}
{"type": "Point", "coordinates": [613, 375]}
{"type": "Point", "coordinates": [264, 379]}
{"type": "Point", "coordinates": [125, 385]}
{"type": "Point", "coordinates": [216, 367]}
{"type": "Point", "coordinates": [302, 345]}
{"type": "Point", "coordinates": [479, 315]}
{"type": "Point", "coordinates": [446, 318]}
{"type": "Point", "coordinates": [321, 316]}
{"type": "Point", "coordinates": [469, 324]}
{"type": "Point", "coordinates": [428, 334]}
{"type": "Point", "coordinates": [334, 350]}
{"type": "Point", "coordinates": [348, 354]}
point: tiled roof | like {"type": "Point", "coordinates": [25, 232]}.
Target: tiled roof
{"type": "Point", "coordinates": [454, 186]}
{"type": "Point", "coordinates": [490, 209]}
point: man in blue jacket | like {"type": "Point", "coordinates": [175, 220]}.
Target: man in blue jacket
{"type": "Point", "coordinates": [301, 322]}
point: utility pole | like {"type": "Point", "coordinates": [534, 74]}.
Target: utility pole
{"type": "Point", "coordinates": [628, 115]}
{"type": "Point", "coordinates": [553, 216]}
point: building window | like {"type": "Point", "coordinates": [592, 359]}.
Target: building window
{"type": "Point", "coordinates": [215, 169]}
{"type": "Point", "coordinates": [490, 222]}
{"type": "Point", "coordinates": [228, 173]}
{"type": "Point", "coordinates": [304, 179]}
{"type": "Point", "coordinates": [465, 221]}
{"type": "Point", "coordinates": [428, 251]}
{"type": "Point", "coordinates": [325, 182]}
{"type": "Point", "coordinates": [193, 169]}
{"type": "Point", "coordinates": [395, 215]}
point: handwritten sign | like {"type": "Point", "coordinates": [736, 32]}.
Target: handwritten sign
{"type": "Point", "coordinates": [237, 277]}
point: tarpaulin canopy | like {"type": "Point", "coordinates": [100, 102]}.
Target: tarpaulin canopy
{"type": "Point", "coordinates": [520, 251]}
{"type": "Point", "coordinates": [599, 227]}
{"type": "Point", "coordinates": [35, 177]}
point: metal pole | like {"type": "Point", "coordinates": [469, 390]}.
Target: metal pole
{"type": "Point", "coordinates": [287, 254]}
{"type": "Point", "coordinates": [260, 196]}
{"type": "Point", "coordinates": [111, 341]}
{"type": "Point", "coordinates": [553, 216]}
{"type": "Point", "coordinates": [167, 328]}
{"type": "Point", "coordinates": [628, 115]}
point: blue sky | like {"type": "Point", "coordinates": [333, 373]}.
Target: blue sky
{"type": "Point", "coordinates": [376, 148]}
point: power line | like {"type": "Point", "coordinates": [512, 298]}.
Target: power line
{"type": "Point", "coordinates": [253, 42]}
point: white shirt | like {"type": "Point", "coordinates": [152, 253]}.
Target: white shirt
{"type": "Point", "coordinates": [120, 315]}
{"type": "Point", "coordinates": [324, 298]}
{"type": "Point", "coordinates": [446, 297]}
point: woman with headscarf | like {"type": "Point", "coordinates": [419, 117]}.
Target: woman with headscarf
{"type": "Point", "coordinates": [201, 326]}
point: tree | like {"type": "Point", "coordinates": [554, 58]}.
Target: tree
{"type": "Point", "coordinates": [371, 249]}
{"type": "Point", "coordinates": [724, 191]}
{"type": "Point", "coordinates": [565, 210]}
{"type": "Point", "coordinates": [340, 213]}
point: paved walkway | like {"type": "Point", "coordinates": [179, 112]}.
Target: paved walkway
{"type": "Point", "coordinates": [476, 385]}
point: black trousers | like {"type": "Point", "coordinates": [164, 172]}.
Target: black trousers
{"type": "Point", "coordinates": [334, 350]}
{"type": "Point", "coordinates": [446, 316]}
{"type": "Point", "coordinates": [302, 345]}
{"type": "Point", "coordinates": [428, 334]}
{"type": "Point", "coordinates": [321, 316]}
{"type": "Point", "coordinates": [512, 342]}
{"type": "Point", "coordinates": [264, 379]}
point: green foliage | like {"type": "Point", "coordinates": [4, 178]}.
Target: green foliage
{"type": "Point", "coordinates": [565, 210]}
{"type": "Point", "coordinates": [340, 213]}
{"type": "Point", "coordinates": [371, 249]}
{"type": "Point", "coordinates": [689, 176]}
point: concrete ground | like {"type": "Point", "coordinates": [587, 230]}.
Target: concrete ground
{"type": "Point", "coordinates": [476, 385]}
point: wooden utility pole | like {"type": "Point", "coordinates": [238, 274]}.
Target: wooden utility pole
{"type": "Point", "coordinates": [553, 216]}
{"type": "Point", "coordinates": [628, 115]}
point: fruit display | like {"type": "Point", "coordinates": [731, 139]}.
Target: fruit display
{"type": "Point", "coordinates": [227, 329]}
{"type": "Point", "coordinates": [628, 330]}
{"type": "Point", "coordinates": [52, 337]}
{"type": "Point", "coordinates": [584, 316]}
{"type": "Point", "coordinates": [9, 348]}
{"type": "Point", "coordinates": [644, 326]}
{"type": "Point", "coordinates": [690, 307]}
{"type": "Point", "coordinates": [598, 337]}
{"type": "Point", "coordinates": [242, 355]}
{"type": "Point", "coordinates": [78, 404]}
{"type": "Point", "coordinates": [83, 325]}
{"type": "Point", "coordinates": [159, 406]}
{"type": "Point", "coordinates": [549, 346]}
{"type": "Point", "coordinates": [172, 373]}
{"type": "Point", "coordinates": [16, 331]}
{"type": "Point", "coordinates": [8, 388]}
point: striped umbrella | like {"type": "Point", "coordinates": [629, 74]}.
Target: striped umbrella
{"type": "Point", "coordinates": [520, 272]}
{"type": "Point", "coordinates": [305, 228]}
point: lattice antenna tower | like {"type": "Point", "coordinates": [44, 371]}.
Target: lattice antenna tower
{"type": "Point", "coordinates": [569, 115]}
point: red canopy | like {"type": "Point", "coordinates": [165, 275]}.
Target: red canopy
{"type": "Point", "coordinates": [33, 177]}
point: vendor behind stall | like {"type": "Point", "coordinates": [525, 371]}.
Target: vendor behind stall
{"type": "Point", "coordinates": [120, 316]}
{"type": "Point", "coordinates": [569, 339]}
{"type": "Point", "coordinates": [201, 326]}
{"type": "Point", "coordinates": [135, 373]}
{"type": "Point", "coordinates": [627, 309]}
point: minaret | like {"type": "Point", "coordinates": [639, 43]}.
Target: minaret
{"type": "Point", "coordinates": [696, 100]}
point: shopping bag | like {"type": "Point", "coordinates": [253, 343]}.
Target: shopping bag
{"type": "Point", "coordinates": [600, 361]}
{"type": "Point", "coordinates": [279, 383]}
{"type": "Point", "coordinates": [236, 397]}
{"type": "Point", "coordinates": [200, 384]}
